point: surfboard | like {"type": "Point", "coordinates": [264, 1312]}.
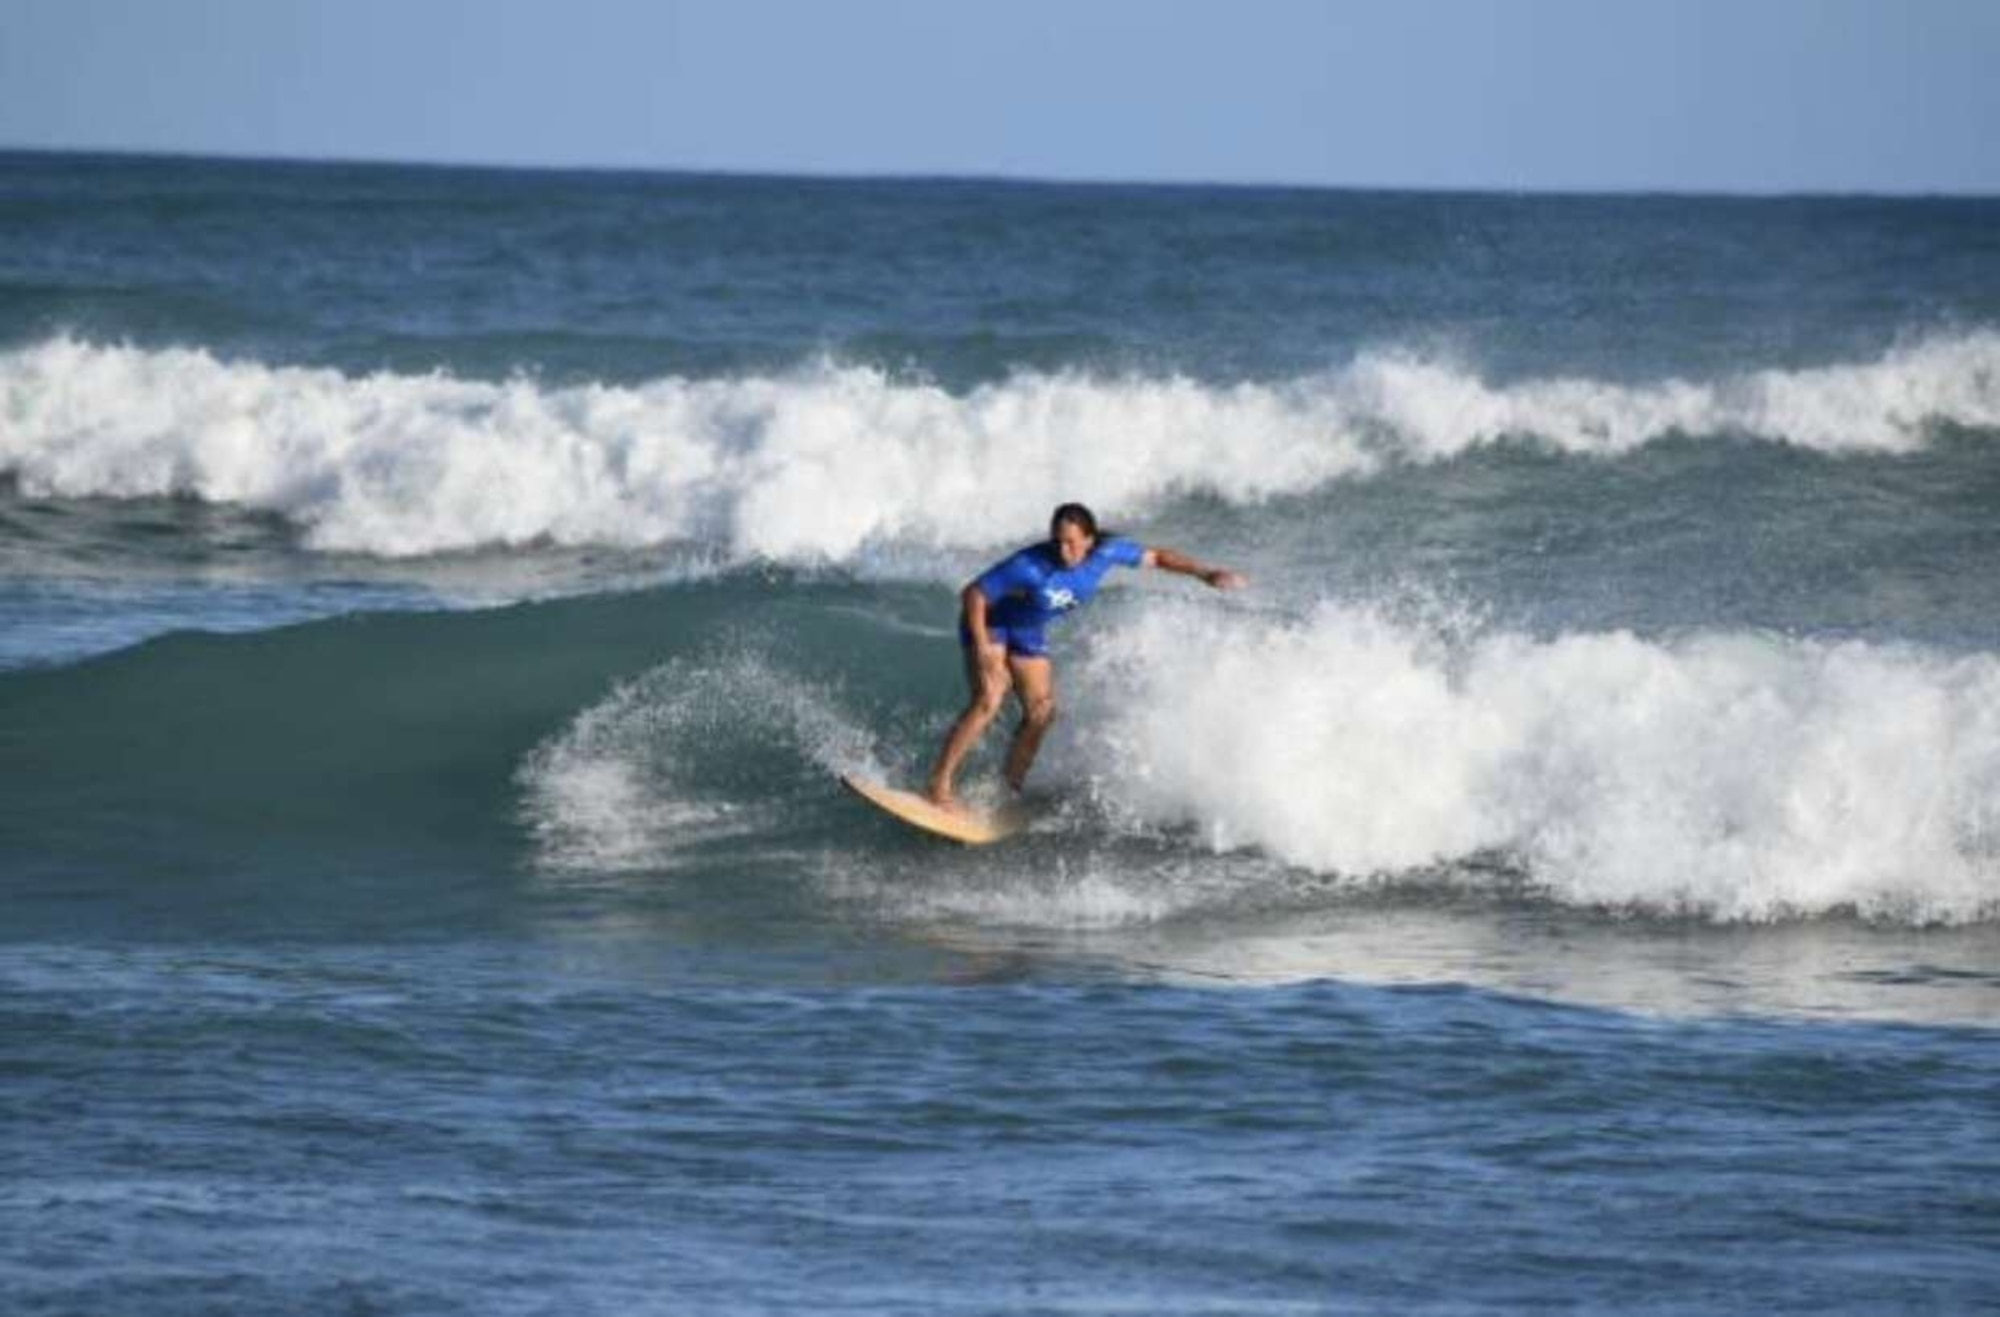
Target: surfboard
{"type": "Point", "coordinates": [970, 827]}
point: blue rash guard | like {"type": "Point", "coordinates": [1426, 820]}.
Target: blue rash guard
{"type": "Point", "coordinates": [1028, 591]}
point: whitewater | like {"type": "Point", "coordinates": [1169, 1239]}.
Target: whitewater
{"type": "Point", "coordinates": [817, 465]}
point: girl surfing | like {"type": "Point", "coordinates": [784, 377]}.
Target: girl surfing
{"type": "Point", "coordinates": [1002, 628]}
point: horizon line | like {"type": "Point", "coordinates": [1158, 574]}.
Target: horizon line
{"type": "Point", "coordinates": [1014, 180]}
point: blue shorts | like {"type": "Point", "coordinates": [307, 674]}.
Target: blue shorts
{"type": "Point", "coordinates": [1021, 641]}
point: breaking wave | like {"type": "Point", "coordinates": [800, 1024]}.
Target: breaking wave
{"type": "Point", "coordinates": [1725, 776]}
{"type": "Point", "coordinates": [817, 464]}
{"type": "Point", "coordinates": [1728, 776]}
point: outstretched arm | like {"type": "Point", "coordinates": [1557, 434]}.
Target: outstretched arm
{"type": "Point", "coordinates": [1219, 577]}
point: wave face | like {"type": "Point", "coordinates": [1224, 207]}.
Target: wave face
{"type": "Point", "coordinates": [819, 464]}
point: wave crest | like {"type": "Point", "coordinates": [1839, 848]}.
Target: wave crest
{"type": "Point", "coordinates": [816, 465]}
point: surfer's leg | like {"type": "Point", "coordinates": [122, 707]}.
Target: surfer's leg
{"type": "Point", "coordinates": [1035, 683]}
{"type": "Point", "coordinates": [987, 679]}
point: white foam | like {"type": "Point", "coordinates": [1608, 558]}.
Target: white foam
{"type": "Point", "coordinates": [820, 464]}
{"type": "Point", "coordinates": [1739, 777]}
{"type": "Point", "coordinates": [1435, 410]}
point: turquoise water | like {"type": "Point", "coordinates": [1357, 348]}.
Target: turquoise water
{"type": "Point", "coordinates": [434, 605]}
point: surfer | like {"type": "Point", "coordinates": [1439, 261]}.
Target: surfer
{"type": "Point", "coordinates": [1002, 628]}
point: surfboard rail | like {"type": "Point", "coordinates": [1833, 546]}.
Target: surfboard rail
{"type": "Point", "coordinates": [970, 826]}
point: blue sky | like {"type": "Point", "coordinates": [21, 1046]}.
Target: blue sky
{"type": "Point", "coordinates": [1750, 95]}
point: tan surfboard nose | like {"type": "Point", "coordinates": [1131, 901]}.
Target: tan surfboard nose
{"type": "Point", "coordinates": [969, 826]}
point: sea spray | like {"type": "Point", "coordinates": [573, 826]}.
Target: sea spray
{"type": "Point", "coordinates": [694, 751]}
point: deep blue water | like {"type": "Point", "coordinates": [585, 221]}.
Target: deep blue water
{"type": "Point", "coordinates": [434, 605]}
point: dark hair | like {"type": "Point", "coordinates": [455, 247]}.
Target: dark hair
{"type": "Point", "coordinates": [1076, 515]}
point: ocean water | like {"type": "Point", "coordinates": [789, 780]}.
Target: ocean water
{"type": "Point", "coordinates": [434, 605]}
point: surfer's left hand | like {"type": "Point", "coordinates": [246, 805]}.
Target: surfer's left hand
{"type": "Point", "coordinates": [1224, 579]}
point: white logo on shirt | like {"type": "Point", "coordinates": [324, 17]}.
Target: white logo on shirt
{"type": "Point", "coordinates": [1059, 599]}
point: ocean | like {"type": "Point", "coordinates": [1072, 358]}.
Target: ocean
{"type": "Point", "coordinates": [435, 605]}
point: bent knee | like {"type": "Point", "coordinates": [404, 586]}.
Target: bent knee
{"type": "Point", "coordinates": [1040, 713]}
